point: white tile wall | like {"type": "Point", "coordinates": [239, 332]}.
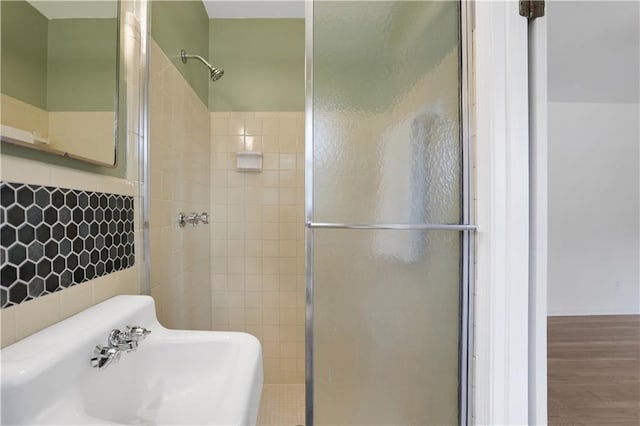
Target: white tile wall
{"type": "Point", "coordinates": [257, 244]}
{"type": "Point", "coordinates": [179, 182]}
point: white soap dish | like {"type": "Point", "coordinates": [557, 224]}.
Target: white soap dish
{"type": "Point", "coordinates": [249, 161]}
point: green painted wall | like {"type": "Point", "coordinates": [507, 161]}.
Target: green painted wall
{"type": "Point", "coordinates": [184, 25]}
{"type": "Point", "coordinates": [81, 64]}
{"type": "Point", "coordinates": [24, 53]}
{"type": "Point", "coordinates": [263, 61]}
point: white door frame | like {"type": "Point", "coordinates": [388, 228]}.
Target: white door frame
{"type": "Point", "coordinates": [538, 159]}
{"type": "Point", "coordinates": [501, 352]}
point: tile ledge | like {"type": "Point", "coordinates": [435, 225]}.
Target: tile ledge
{"type": "Point", "coordinates": [22, 170]}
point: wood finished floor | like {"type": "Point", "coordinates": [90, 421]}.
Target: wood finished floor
{"type": "Point", "coordinates": [594, 370]}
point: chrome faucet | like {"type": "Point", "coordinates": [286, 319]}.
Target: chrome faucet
{"type": "Point", "coordinates": [118, 342]}
{"type": "Point", "coordinates": [193, 219]}
{"type": "Point", "coordinates": [136, 332]}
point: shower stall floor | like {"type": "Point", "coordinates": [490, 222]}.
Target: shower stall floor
{"type": "Point", "coordinates": [282, 405]}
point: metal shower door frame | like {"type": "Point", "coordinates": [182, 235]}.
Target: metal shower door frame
{"type": "Point", "coordinates": [466, 228]}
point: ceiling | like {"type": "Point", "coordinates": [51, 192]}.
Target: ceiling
{"type": "Point", "coordinates": [69, 9]}
{"type": "Point", "coordinates": [234, 9]}
{"type": "Point", "coordinates": [254, 9]}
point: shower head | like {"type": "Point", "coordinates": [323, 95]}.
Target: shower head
{"type": "Point", "coordinates": [214, 73]}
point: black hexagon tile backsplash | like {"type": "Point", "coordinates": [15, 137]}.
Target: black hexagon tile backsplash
{"type": "Point", "coordinates": [54, 238]}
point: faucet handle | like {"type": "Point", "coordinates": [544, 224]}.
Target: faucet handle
{"type": "Point", "coordinates": [115, 338]}
{"type": "Point", "coordinates": [122, 341]}
{"type": "Point", "coordinates": [136, 332]}
{"type": "Point", "coordinates": [103, 356]}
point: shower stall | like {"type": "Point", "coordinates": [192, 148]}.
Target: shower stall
{"type": "Point", "coordinates": [388, 225]}
{"type": "Point", "coordinates": [384, 291]}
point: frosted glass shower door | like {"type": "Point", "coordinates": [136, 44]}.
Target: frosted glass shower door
{"type": "Point", "coordinates": [386, 221]}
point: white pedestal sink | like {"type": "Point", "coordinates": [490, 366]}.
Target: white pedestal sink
{"type": "Point", "coordinates": [174, 377]}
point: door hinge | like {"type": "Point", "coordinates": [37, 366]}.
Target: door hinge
{"type": "Point", "coordinates": [532, 9]}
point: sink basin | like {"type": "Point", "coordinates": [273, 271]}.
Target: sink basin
{"type": "Point", "coordinates": [174, 377]}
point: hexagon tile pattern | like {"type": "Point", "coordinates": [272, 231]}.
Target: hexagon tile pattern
{"type": "Point", "coordinates": [54, 238]}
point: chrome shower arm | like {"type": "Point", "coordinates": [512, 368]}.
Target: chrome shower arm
{"type": "Point", "coordinates": [214, 73]}
{"type": "Point", "coordinates": [184, 56]}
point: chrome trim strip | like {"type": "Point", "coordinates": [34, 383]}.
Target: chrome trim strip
{"type": "Point", "coordinates": [308, 366]}
{"type": "Point", "coordinates": [308, 205]}
{"type": "Point", "coordinates": [467, 238]}
{"type": "Point", "coordinates": [121, 95]}
{"type": "Point", "coordinates": [393, 226]}
{"type": "Point", "coordinates": [145, 43]}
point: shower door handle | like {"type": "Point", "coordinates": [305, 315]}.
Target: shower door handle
{"type": "Point", "coordinates": [394, 226]}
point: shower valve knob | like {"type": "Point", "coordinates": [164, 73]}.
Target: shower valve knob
{"type": "Point", "coordinates": [193, 219]}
